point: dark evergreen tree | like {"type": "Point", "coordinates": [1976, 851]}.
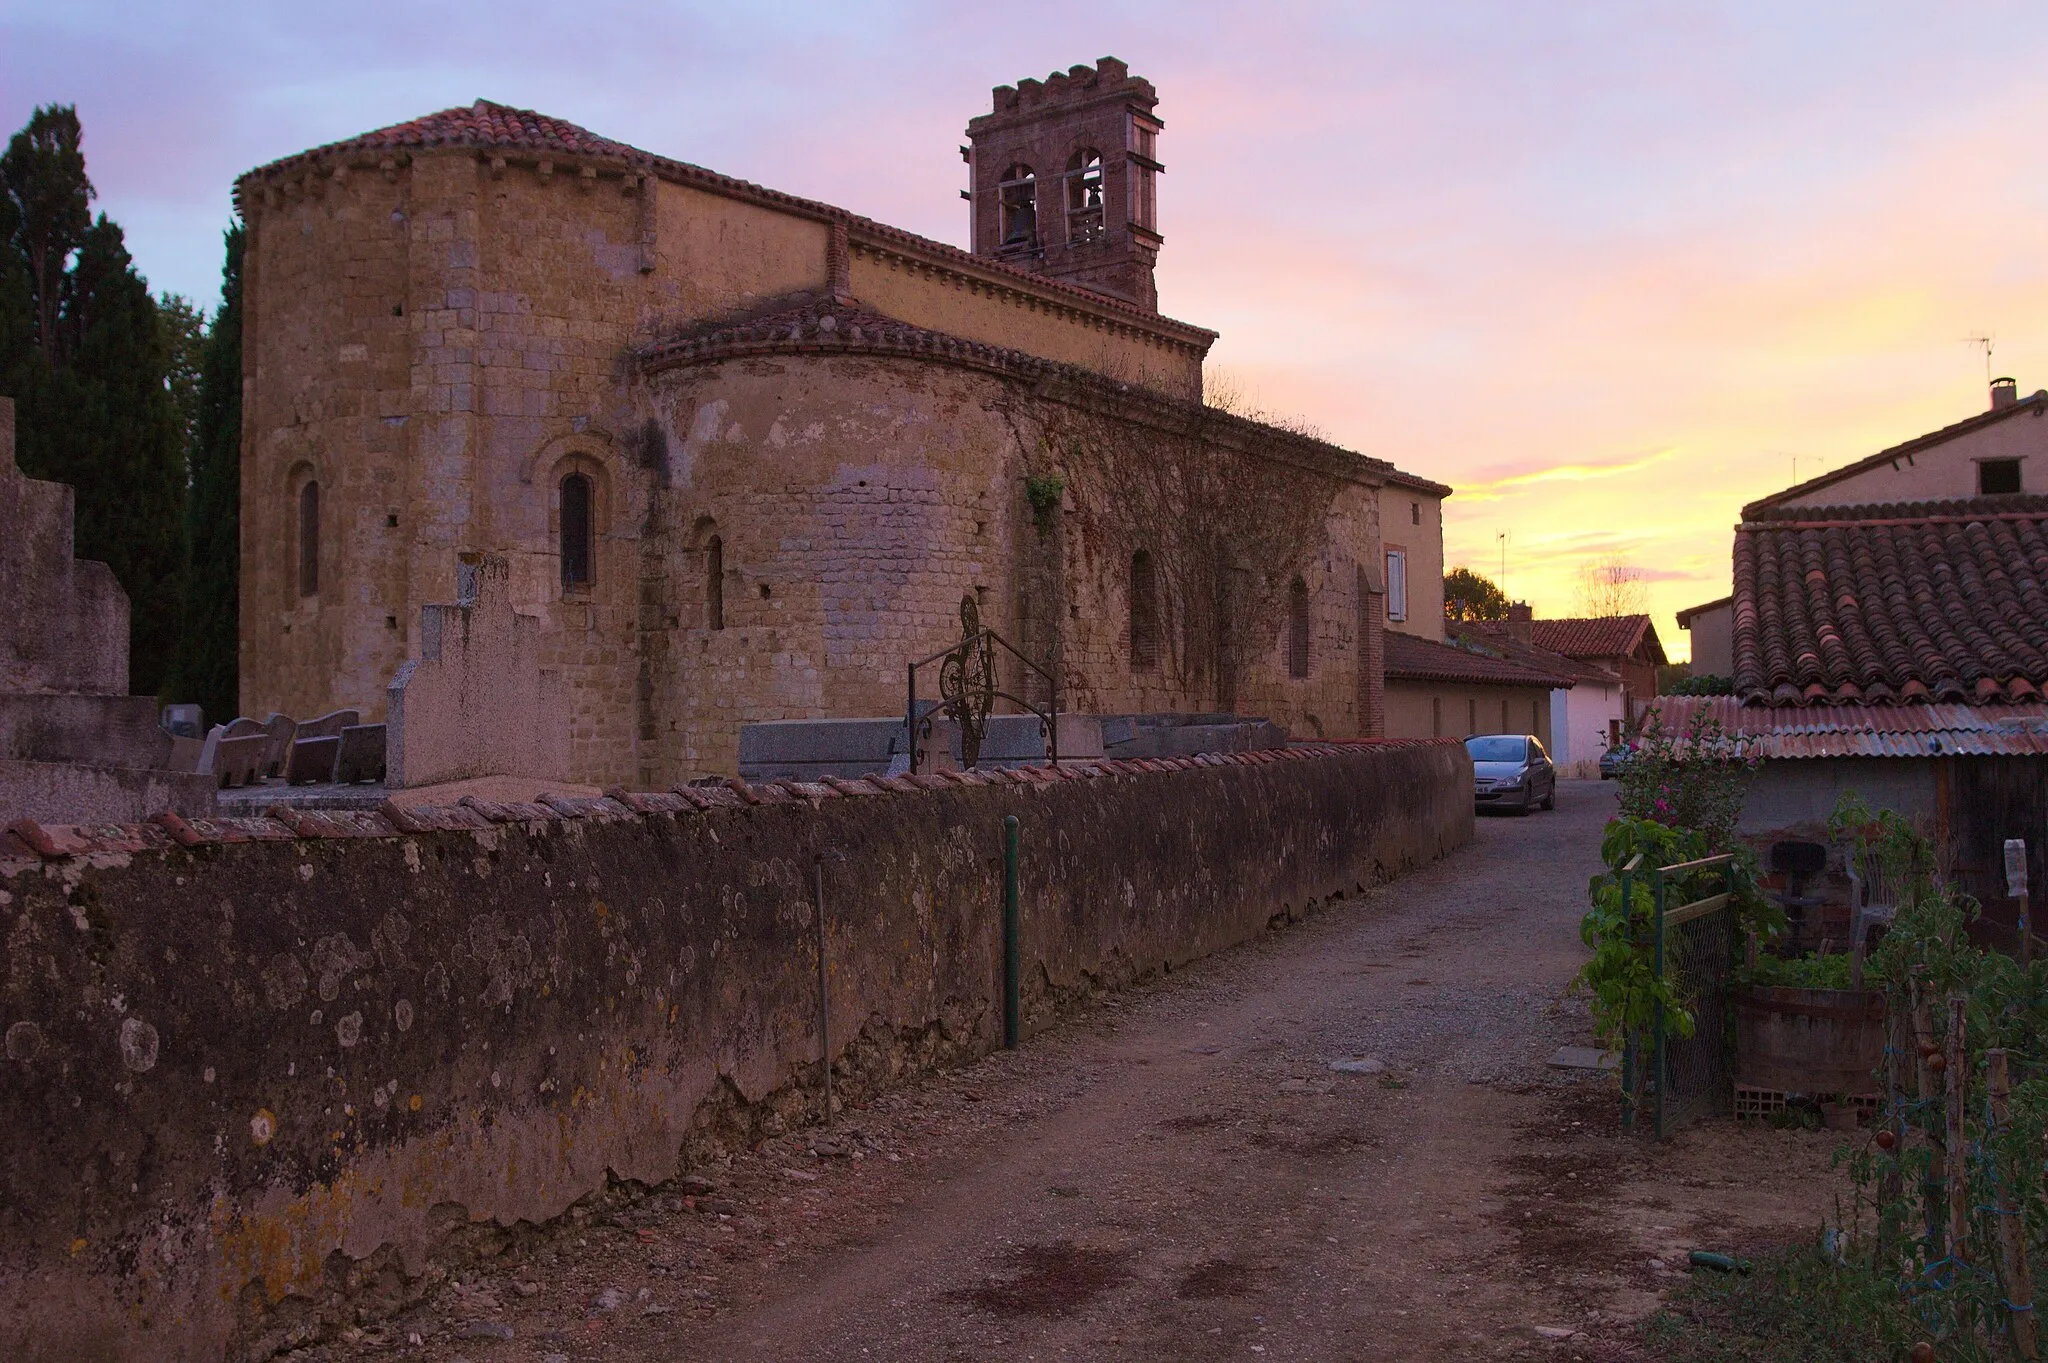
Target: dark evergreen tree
{"type": "Point", "coordinates": [207, 671]}
{"type": "Point", "coordinates": [87, 363]}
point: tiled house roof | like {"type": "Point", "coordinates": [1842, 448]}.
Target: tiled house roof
{"type": "Point", "coordinates": [1414, 659]}
{"type": "Point", "coordinates": [1599, 636]}
{"type": "Point", "coordinates": [1865, 730]}
{"type": "Point", "coordinates": [1931, 601]}
{"type": "Point", "coordinates": [1498, 638]}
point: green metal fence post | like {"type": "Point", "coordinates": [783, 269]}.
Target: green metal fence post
{"type": "Point", "coordinates": [1013, 1011]}
{"type": "Point", "coordinates": [1659, 1074]}
{"type": "Point", "coordinates": [1630, 1060]}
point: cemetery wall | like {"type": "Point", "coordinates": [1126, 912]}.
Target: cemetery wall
{"type": "Point", "coordinates": [262, 1076]}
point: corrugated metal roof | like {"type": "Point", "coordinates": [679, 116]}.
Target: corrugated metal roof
{"type": "Point", "coordinates": [1867, 730]}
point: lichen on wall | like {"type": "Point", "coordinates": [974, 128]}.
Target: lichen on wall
{"type": "Point", "coordinates": [264, 1075]}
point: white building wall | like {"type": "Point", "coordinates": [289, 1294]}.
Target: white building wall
{"type": "Point", "coordinates": [1579, 720]}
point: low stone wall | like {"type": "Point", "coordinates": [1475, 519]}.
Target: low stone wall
{"type": "Point", "coordinates": [258, 1070]}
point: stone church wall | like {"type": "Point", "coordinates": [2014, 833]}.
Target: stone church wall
{"type": "Point", "coordinates": [265, 1076]}
{"type": "Point", "coordinates": [438, 337]}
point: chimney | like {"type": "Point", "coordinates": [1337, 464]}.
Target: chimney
{"type": "Point", "coordinates": [1521, 621]}
{"type": "Point", "coordinates": [2004, 393]}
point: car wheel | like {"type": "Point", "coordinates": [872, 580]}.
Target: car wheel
{"type": "Point", "coordinates": [1550, 796]}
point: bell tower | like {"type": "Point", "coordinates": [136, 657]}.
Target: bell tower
{"type": "Point", "coordinates": [1065, 175]}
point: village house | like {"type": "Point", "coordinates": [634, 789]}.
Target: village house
{"type": "Point", "coordinates": [743, 454]}
{"type": "Point", "coordinates": [1888, 634]}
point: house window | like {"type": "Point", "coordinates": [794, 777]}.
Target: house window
{"type": "Point", "coordinates": [1535, 714]}
{"type": "Point", "coordinates": [1415, 513]}
{"type": "Point", "coordinates": [714, 583]}
{"type": "Point", "coordinates": [1297, 629]}
{"type": "Point", "coordinates": [1020, 208]}
{"type": "Point", "coordinates": [1507, 726]}
{"type": "Point", "coordinates": [309, 538]}
{"type": "Point", "coordinates": [1144, 613]}
{"type": "Point", "coordinates": [1397, 584]}
{"type": "Point", "coordinates": [1471, 717]}
{"type": "Point", "coordinates": [576, 566]}
{"type": "Point", "coordinates": [1436, 716]}
{"type": "Point", "coordinates": [1997, 476]}
{"type": "Point", "coordinates": [1084, 195]}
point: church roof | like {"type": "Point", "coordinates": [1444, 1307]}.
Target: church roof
{"type": "Point", "coordinates": [481, 125]}
{"type": "Point", "coordinates": [808, 326]}
{"type": "Point", "coordinates": [485, 126]}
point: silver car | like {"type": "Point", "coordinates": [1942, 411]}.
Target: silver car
{"type": "Point", "coordinates": [1511, 771]}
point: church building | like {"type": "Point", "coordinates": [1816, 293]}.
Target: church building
{"type": "Point", "coordinates": [746, 453]}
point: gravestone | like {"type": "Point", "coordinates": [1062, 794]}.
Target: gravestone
{"type": "Point", "coordinates": [312, 760]}
{"type": "Point", "coordinates": [361, 757]}
{"type": "Point", "coordinates": [281, 729]}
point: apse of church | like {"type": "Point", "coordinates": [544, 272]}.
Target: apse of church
{"type": "Point", "coordinates": [746, 452]}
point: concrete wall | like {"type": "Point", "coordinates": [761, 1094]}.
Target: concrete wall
{"type": "Point", "coordinates": [1579, 722]}
{"type": "Point", "coordinates": [65, 629]}
{"type": "Point", "coordinates": [1440, 709]}
{"type": "Point", "coordinates": [61, 792]}
{"type": "Point", "coordinates": [1794, 797]}
{"type": "Point", "coordinates": [261, 1076]}
{"type": "Point", "coordinates": [477, 701]}
{"type": "Point", "coordinates": [1713, 641]}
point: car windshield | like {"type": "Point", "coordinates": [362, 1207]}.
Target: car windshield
{"type": "Point", "coordinates": [1497, 748]}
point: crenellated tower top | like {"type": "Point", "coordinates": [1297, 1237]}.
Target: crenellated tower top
{"type": "Point", "coordinates": [1065, 175]}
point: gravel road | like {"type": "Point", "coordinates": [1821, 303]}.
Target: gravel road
{"type": "Point", "coordinates": [1180, 1173]}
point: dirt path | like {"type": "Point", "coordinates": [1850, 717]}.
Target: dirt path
{"type": "Point", "coordinates": [1181, 1175]}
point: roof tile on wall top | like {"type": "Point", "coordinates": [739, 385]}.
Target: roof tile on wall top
{"type": "Point", "coordinates": [28, 843]}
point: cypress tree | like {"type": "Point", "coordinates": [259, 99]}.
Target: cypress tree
{"type": "Point", "coordinates": [208, 669]}
{"type": "Point", "coordinates": [87, 364]}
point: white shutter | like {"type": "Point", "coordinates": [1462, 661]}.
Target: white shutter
{"type": "Point", "coordinates": [1397, 585]}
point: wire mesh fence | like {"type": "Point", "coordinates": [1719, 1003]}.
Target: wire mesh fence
{"type": "Point", "coordinates": [1674, 1073]}
{"type": "Point", "coordinates": [1695, 1076]}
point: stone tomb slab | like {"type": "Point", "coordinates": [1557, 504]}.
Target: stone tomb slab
{"type": "Point", "coordinates": [361, 754]}
{"type": "Point", "coordinates": [313, 760]}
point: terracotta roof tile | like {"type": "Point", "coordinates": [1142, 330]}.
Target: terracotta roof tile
{"type": "Point", "coordinates": [1598, 636]}
{"type": "Point", "coordinates": [1943, 602]}
{"type": "Point", "coordinates": [1409, 658]}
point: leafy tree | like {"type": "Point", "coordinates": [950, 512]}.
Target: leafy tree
{"type": "Point", "coordinates": [208, 671]}
{"type": "Point", "coordinates": [1468, 596]}
{"type": "Point", "coordinates": [84, 354]}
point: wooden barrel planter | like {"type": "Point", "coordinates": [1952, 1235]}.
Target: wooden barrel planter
{"type": "Point", "coordinates": [1809, 1040]}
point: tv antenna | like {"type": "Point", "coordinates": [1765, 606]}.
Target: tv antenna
{"type": "Point", "coordinates": [1986, 342]}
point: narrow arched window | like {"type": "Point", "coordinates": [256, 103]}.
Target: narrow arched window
{"type": "Point", "coordinates": [1020, 208]}
{"type": "Point", "coordinates": [1144, 613]}
{"type": "Point", "coordinates": [1084, 195]}
{"type": "Point", "coordinates": [309, 538]}
{"type": "Point", "coordinates": [1297, 629]}
{"type": "Point", "coordinates": [714, 583]}
{"type": "Point", "coordinates": [576, 565]}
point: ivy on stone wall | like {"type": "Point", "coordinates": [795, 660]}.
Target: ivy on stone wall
{"type": "Point", "coordinates": [1224, 546]}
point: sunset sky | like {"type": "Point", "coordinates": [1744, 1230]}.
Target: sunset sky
{"type": "Point", "coordinates": [1607, 269]}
